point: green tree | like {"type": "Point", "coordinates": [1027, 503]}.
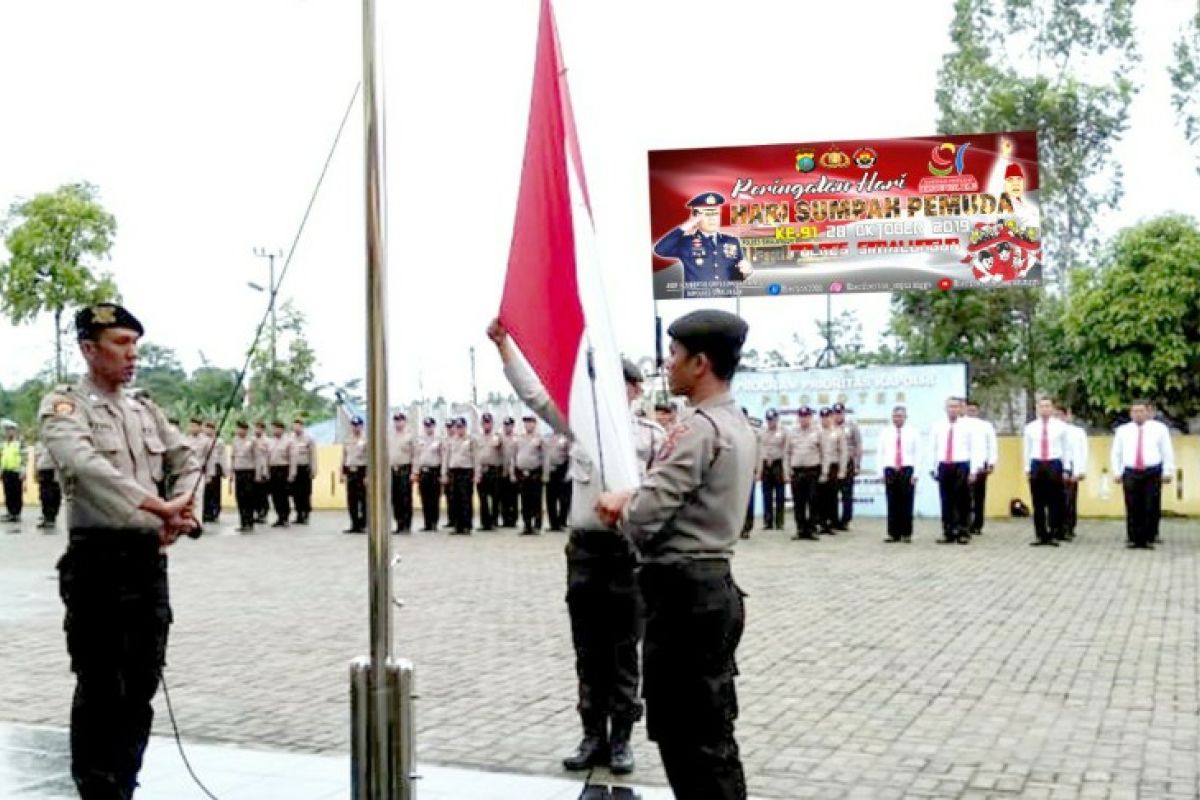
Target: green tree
{"type": "Point", "coordinates": [52, 240]}
{"type": "Point", "coordinates": [1004, 334]}
{"type": "Point", "coordinates": [284, 381]}
{"type": "Point", "coordinates": [1185, 80]}
{"type": "Point", "coordinates": [1134, 324]}
{"type": "Point", "coordinates": [21, 404]}
{"type": "Point", "coordinates": [160, 373]}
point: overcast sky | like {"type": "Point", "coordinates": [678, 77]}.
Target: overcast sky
{"type": "Point", "coordinates": [205, 126]}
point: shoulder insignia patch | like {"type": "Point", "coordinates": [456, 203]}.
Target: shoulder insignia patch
{"type": "Point", "coordinates": [668, 445]}
{"type": "Point", "coordinates": [64, 407]}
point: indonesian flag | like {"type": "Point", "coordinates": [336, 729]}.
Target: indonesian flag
{"type": "Point", "coordinates": [554, 305]}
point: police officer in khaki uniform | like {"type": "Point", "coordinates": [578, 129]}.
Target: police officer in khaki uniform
{"type": "Point", "coordinates": [281, 460]}
{"type": "Point", "coordinates": [49, 492]}
{"type": "Point", "coordinates": [12, 472]}
{"type": "Point", "coordinates": [460, 474]}
{"type": "Point", "coordinates": [262, 472]}
{"type": "Point", "coordinates": [401, 453]}
{"type": "Point", "coordinates": [509, 491]}
{"type": "Point", "coordinates": [602, 594]}
{"type": "Point", "coordinates": [245, 466]}
{"type": "Point", "coordinates": [854, 454]}
{"type": "Point", "coordinates": [429, 473]}
{"type": "Point", "coordinates": [354, 475]}
{"type": "Point", "coordinates": [489, 449]}
{"type": "Point", "coordinates": [110, 449]}
{"type": "Point", "coordinates": [772, 442]}
{"type": "Point", "coordinates": [558, 483]}
{"type": "Point", "coordinates": [216, 467]}
{"type": "Point", "coordinates": [806, 465]}
{"type": "Point", "coordinates": [306, 467]}
{"type": "Point", "coordinates": [836, 455]}
{"type": "Point", "coordinates": [684, 519]}
{"type": "Point", "coordinates": [529, 470]}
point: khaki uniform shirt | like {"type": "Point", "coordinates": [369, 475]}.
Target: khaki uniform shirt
{"type": "Point", "coordinates": [854, 443]}
{"type": "Point", "coordinates": [558, 450]}
{"type": "Point", "coordinates": [804, 449]}
{"type": "Point", "coordinates": [489, 448]}
{"type": "Point", "coordinates": [647, 438]}
{"type": "Point", "coordinates": [772, 444]}
{"type": "Point", "coordinates": [510, 454]}
{"type": "Point", "coordinates": [692, 504]}
{"type": "Point", "coordinates": [459, 453]}
{"type": "Point", "coordinates": [283, 454]}
{"type": "Point", "coordinates": [835, 452]}
{"type": "Point", "coordinates": [354, 453]}
{"type": "Point", "coordinates": [245, 457]}
{"type": "Point", "coordinates": [110, 451]}
{"type": "Point", "coordinates": [402, 448]}
{"type": "Point", "coordinates": [429, 452]}
{"type": "Point", "coordinates": [531, 452]}
{"type": "Point", "coordinates": [262, 452]}
{"type": "Point", "coordinates": [306, 451]}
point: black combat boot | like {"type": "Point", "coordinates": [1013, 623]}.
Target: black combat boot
{"type": "Point", "coordinates": [593, 749]}
{"type": "Point", "coordinates": [621, 755]}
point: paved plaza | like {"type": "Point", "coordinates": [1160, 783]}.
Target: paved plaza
{"type": "Point", "coordinates": [869, 670]}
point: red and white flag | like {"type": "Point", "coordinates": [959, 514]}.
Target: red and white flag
{"type": "Point", "coordinates": [554, 304]}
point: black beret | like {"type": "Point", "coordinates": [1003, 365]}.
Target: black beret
{"type": "Point", "coordinates": [429, 421]}
{"type": "Point", "coordinates": [509, 421]}
{"type": "Point", "coordinates": [93, 319]}
{"type": "Point", "coordinates": [825, 412]}
{"type": "Point", "coordinates": [805, 411]}
{"type": "Point", "coordinates": [838, 408]}
{"type": "Point", "coordinates": [486, 418]}
{"type": "Point", "coordinates": [399, 415]}
{"type": "Point", "coordinates": [356, 421]}
{"type": "Point", "coordinates": [243, 425]}
{"type": "Point", "coordinates": [666, 408]}
{"type": "Point", "coordinates": [710, 331]}
{"type": "Point", "coordinates": [632, 373]}
{"type": "Point", "coordinates": [771, 413]}
{"type": "Point", "coordinates": [529, 418]}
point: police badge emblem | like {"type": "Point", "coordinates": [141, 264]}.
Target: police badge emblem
{"type": "Point", "coordinates": [731, 250]}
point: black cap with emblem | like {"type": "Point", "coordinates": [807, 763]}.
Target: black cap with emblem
{"type": "Point", "coordinates": [717, 334]}
{"type": "Point", "coordinates": [91, 320]}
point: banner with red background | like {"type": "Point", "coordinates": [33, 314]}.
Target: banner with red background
{"type": "Point", "coordinates": [874, 215]}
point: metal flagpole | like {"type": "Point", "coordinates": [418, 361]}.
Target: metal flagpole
{"type": "Point", "coordinates": [382, 724]}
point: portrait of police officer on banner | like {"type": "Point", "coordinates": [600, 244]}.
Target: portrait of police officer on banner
{"type": "Point", "coordinates": [707, 255]}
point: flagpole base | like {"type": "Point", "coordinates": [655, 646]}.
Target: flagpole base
{"type": "Point", "coordinates": [395, 780]}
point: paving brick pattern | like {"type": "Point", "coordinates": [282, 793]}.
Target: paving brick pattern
{"type": "Point", "coordinates": [869, 670]}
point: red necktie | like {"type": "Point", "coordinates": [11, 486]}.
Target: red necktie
{"type": "Point", "coordinates": [950, 444]}
{"type": "Point", "coordinates": [899, 454]}
{"type": "Point", "coordinates": [1139, 460]}
{"type": "Point", "coordinates": [1045, 440]}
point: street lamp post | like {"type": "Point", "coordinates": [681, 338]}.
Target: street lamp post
{"type": "Point", "coordinates": [273, 289]}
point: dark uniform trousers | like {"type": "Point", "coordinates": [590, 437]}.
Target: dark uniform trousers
{"type": "Point", "coordinates": [12, 492]}
{"type": "Point", "coordinates": [302, 491]}
{"type": "Point", "coordinates": [954, 488]}
{"type": "Point", "coordinates": [978, 502]}
{"type": "Point", "coordinates": [845, 490]}
{"type": "Point", "coordinates": [402, 505]}
{"type": "Point", "coordinates": [827, 500]}
{"type": "Point", "coordinates": [50, 494]}
{"type": "Point", "coordinates": [694, 622]}
{"type": "Point", "coordinates": [1070, 508]}
{"type": "Point", "coordinates": [118, 611]}
{"type": "Point", "coordinates": [489, 498]}
{"type": "Point", "coordinates": [262, 499]}
{"type": "Point", "coordinates": [459, 498]}
{"type": "Point", "coordinates": [530, 481]}
{"type": "Point", "coordinates": [804, 495]}
{"type": "Point", "coordinates": [558, 497]}
{"type": "Point", "coordinates": [748, 525]}
{"type": "Point", "coordinates": [356, 496]}
{"type": "Point", "coordinates": [279, 493]}
{"type": "Point", "coordinates": [244, 492]}
{"type": "Point", "coordinates": [1143, 504]}
{"type": "Point", "coordinates": [509, 492]}
{"type": "Point", "coordinates": [772, 494]}
{"type": "Point", "coordinates": [1046, 486]}
{"type": "Point", "coordinates": [212, 498]}
{"type": "Point", "coordinates": [898, 486]}
{"type": "Point", "coordinates": [606, 625]}
{"type": "Point", "coordinates": [429, 484]}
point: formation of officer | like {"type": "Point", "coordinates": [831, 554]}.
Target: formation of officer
{"type": "Point", "coordinates": [459, 476]}
{"type": "Point", "coordinates": [262, 474]}
{"type": "Point", "coordinates": [402, 451]}
{"type": "Point", "coordinates": [529, 470]}
{"type": "Point", "coordinates": [490, 449]}
{"type": "Point", "coordinates": [684, 520]}
{"type": "Point", "coordinates": [991, 457]}
{"type": "Point", "coordinates": [428, 449]}
{"type": "Point", "coordinates": [603, 600]}
{"type": "Point", "coordinates": [1143, 460]}
{"type": "Point", "coordinates": [957, 459]}
{"type": "Point", "coordinates": [244, 462]}
{"type": "Point", "coordinates": [509, 490]}
{"type": "Point", "coordinates": [216, 467]}
{"type": "Point", "coordinates": [772, 441]}
{"type": "Point", "coordinates": [835, 453]}
{"type": "Point", "coordinates": [1046, 448]}
{"type": "Point", "coordinates": [558, 483]}
{"type": "Point", "coordinates": [897, 451]}
{"type": "Point", "coordinates": [281, 465]}
{"type": "Point", "coordinates": [12, 472]}
{"type": "Point", "coordinates": [354, 475]}
{"type": "Point", "coordinates": [113, 449]}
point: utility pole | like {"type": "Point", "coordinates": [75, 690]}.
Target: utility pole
{"type": "Point", "coordinates": [828, 356]}
{"type": "Point", "coordinates": [474, 392]}
{"type": "Point", "coordinates": [271, 255]}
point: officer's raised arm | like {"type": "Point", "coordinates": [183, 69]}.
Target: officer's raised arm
{"type": "Point", "coordinates": [528, 388]}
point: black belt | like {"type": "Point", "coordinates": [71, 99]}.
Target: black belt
{"type": "Point", "coordinates": [116, 538]}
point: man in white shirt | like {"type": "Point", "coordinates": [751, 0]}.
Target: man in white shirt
{"type": "Point", "coordinates": [1143, 458]}
{"type": "Point", "coordinates": [1046, 449]}
{"type": "Point", "coordinates": [957, 458]}
{"type": "Point", "coordinates": [1075, 470]}
{"type": "Point", "coordinates": [897, 450]}
{"type": "Point", "coordinates": [991, 455]}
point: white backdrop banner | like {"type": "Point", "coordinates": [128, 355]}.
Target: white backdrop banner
{"type": "Point", "coordinates": [869, 394]}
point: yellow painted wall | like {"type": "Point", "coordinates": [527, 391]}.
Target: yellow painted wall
{"type": "Point", "coordinates": [1181, 497]}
